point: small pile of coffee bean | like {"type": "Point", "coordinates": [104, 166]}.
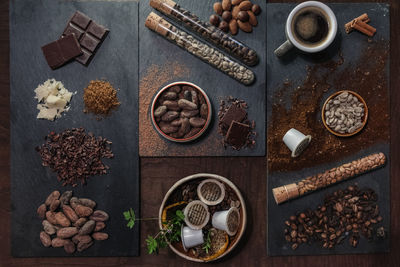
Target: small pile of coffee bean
{"type": "Point", "coordinates": [344, 113]}
{"type": "Point", "coordinates": [235, 14]}
{"type": "Point", "coordinates": [182, 111]}
{"type": "Point", "coordinates": [210, 55]}
{"type": "Point", "coordinates": [345, 213]}
{"type": "Point", "coordinates": [71, 222]}
{"type": "Point", "coordinates": [75, 155]}
{"type": "Point", "coordinates": [215, 35]}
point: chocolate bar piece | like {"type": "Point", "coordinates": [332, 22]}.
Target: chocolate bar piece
{"type": "Point", "coordinates": [233, 113]}
{"type": "Point", "coordinates": [89, 34]}
{"type": "Point", "coordinates": [59, 52]}
{"type": "Point", "coordinates": [237, 134]}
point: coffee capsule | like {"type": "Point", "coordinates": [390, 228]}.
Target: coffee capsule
{"type": "Point", "coordinates": [211, 192]}
{"type": "Point", "coordinates": [296, 141]}
{"type": "Point", "coordinates": [196, 214]}
{"type": "Point", "coordinates": [227, 220]}
{"type": "Point", "coordinates": [190, 237]}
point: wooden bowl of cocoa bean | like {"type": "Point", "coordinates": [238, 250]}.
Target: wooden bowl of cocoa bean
{"type": "Point", "coordinates": [344, 113]}
{"type": "Point", "coordinates": [181, 112]}
{"type": "Point", "coordinates": [182, 193]}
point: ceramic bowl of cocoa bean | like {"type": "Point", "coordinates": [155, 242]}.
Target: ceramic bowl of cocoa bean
{"type": "Point", "coordinates": [221, 243]}
{"type": "Point", "coordinates": [181, 112]}
{"type": "Point", "coordinates": [344, 113]}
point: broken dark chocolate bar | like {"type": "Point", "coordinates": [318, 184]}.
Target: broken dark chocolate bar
{"type": "Point", "coordinates": [233, 113]}
{"type": "Point", "coordinates": [59, 52]}
{"type": "Point", "coordinates": [237, 134]}
{"type": "Point", "coordinates": [89, 34]}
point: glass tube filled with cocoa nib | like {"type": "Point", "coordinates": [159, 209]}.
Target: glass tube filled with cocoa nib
{"type": "Point", "coordinates": [204, 29]}
{"type": "Point", "coordinates": [200, 49]}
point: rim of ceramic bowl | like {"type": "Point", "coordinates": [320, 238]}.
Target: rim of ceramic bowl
{"type": "Point", "coordinates": [243, 222]}
{"type": "Point", "coordinates": [365, 117]}
{"type": "Point", "coordinates": [181, 140]}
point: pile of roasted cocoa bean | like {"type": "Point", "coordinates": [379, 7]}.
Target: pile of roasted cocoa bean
{"type": "Point", "coordinates": [182, 111]}
{"type": "Point", "coordinates": [345, 213]}
{"type": "Point", "coordinates": [71, 222]}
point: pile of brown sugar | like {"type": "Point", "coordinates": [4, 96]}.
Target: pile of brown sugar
{"type": "Point", "coordinates": [100, 97]}
{"type": "Point", "coordinates": [367, 77]}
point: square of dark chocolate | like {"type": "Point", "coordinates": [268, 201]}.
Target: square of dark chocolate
{"type": "Point", "coordinates": [233, 113]}
{"type": "Point", "coordinates": [69, 47]}
{"type": "Point", "coordinates": [89, 42]}
{"type": "Point", "coordinates": [52, 54]}
{"type": "Point", "coordinates": [71, 29]}
{"type": "Point", "coordinates": [237, 134]}
{"type": "Point", "coordinates": [85, 58]}
{"type": "Point", "coordinates": [81, 20]}
{"type": "Point", "coordinates": [97, 30]}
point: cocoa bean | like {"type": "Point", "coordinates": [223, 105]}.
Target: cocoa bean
{"type": "Point", "coordinates": [70, 213]}
{"type": "Point", "coordinates": [73, 202]}
{"type": "Point", "coordinates": [99, 226]}
{"type": "Point", "coordinates": [87, 202]}
{"type": "Point", "coordinates": [45, 239]}
{"type": "Point", "coordinates": [236, 2]}
{"type": "Point", "coordinates": [170, 116]}
{"type": "Point", "coordinates": [87, 228]}
{"type": "Point", "coordinates": [192, 132]}
{"type": "Point", "coordinates": [54, 205]}
{"type": "Point", "coordinates": [99, 216]}
{"type": "Point", "coordinates": [81, 238]}
{"type": "Point", "coordinates": [99, 236]}
{"type": "Point", "coordinates": [48, 227]}
{"type": "Point", "coordinates": [80, 222]}
{"type": "Point", "coordinates": [170, 95]}
{"type": "Point", "coordinates": [167, 128]}
{"type": "Point", "coordinates": [176, 122]}
{"type": "Point", "coordinates": [235, 12]}
{"type": "Point", "coordinates": [256, 9]}
{"type": "Point", "coordinates": [62, 220]}
{"type": "Point", "coordinates": [226, 5]}
{"type": "Point", "coordinates": [65, 197]}
{"type": "Point", "coordinates": [245, 26]}
{"type": "Point", "coordinates": [197, 122]}
{"type": "Point", "coordinates": [185, 104]}
{"type": "Point", "coordinates": [54, 195]}
{"type": "Point", "coordinates": [82, 246]}
{"type": "Point", "coordinates": [252, 18]}
{"type": "Point", "coordinates": [233, 27]}
{"type": "Point", "coordinates": [245, 5]}
{"type": "Point", "coordinates": [41, 211]}
{"type": "Point", "coordinates": [175, 88]}
{"type": "Point", "coordinates": [189, 113]}
{"type": "Point", "coordinates": [67, 232]}
{"type": "Point", "coordinates": [218, 8]}
{"type": "Point", "coordinates": [83, 211]}
{"type": "Point", "coordinates": [57, 242]}
{"type": "Point", "coordinates": [204, 111]}
{"type": "Point", "coordinates": [187, 94]}
{"type": "Point", "coordinates": [195, 98]}
{"type": "Point", "coordinates": [51, 217]}
{"type": "Point", "coordinates": [172, 105]}
{"type": "Point", "coordinates": [161, 110]}
{"type": "Point", "coordinates": [69, 246]}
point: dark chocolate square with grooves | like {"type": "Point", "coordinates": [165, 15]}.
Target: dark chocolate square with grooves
{"type": "Point", "coordinates": [59, 52]}
{"type": "Point", "coordinates": [237, 134]}
{"type": "Point", "coordinates": [89, 34]}
{"type": "Point", "coordinates": [233, 113]}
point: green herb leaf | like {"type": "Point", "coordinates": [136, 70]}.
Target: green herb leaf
{"type": "Point", "coordinates": [130, 224]}
{"type": "Point", "coordinates": [207, 244]}
{"type": "Point", "coordinates": [180, 215]}
{"type": "Point", "coordinates": [129, 215]}
{"type": "Point", "coordinates": [152, 245]}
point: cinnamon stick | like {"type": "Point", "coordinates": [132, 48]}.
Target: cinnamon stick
{"type": "Point", "coordinates": [364, 18]}
{"type": "Point", "coordinates": [356, 25]}
{"type": "Point", "coordinates": [366, 26]}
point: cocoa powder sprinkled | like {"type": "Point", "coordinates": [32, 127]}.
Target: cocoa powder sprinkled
{"type": "Point", "coordinates": [366, 77]}
{"type": "Point", "coordinates": [100, 97]}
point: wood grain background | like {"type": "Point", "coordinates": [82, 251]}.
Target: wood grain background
{"type": "Point", "coordinates": [158, 174]}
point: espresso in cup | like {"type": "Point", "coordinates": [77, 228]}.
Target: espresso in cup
{"type": "Point", "coordinates": [310, 26]}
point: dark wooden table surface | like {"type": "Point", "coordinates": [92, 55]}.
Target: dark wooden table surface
{"type": "Point", "coordinates": [249, 174]}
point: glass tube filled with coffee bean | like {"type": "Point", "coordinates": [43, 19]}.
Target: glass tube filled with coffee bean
{"type": "Point", "coordinates": [200, 49]}
{"type": "Point", "coordinates": [204, 29]}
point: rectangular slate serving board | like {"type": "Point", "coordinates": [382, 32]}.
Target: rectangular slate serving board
{"type": "Point", "coordinates": [160, 56]}
{"type": "Point", "coordinates": [294, 69]}
{"type": "Point", "coordinates": [33, 24]}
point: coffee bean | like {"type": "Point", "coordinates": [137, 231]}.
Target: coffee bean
{"type": "Point", "coordinates": [256, 9]}
{"type": "Point", "coordinates": [243, 16]}
{"type": "Point", "coordinates": [227, 16]}
{"type": "Point", "coordinates": [214, 20]}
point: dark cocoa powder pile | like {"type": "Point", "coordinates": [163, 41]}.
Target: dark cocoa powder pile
{"type": "Point", "coordinates": [366, 77]}
{"type": "Point", "coordinates": [100, 97]}
{"type": "Point", "coordinates": [75, 155]}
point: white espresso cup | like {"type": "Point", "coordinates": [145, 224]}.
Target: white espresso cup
{"type": "Point", "coordinates": [293, 39]}
{"type": "Point", "coordinates": [296, 141]}
{"type": "Point", "coordinates": [191, 237]}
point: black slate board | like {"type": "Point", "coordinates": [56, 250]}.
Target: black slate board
{"type": "Point", "coordinates": [34, 23]}
{"type": "Point", "coordinates": [294, 69]}
{"type": "Point", "coordinates": [155, 49]}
